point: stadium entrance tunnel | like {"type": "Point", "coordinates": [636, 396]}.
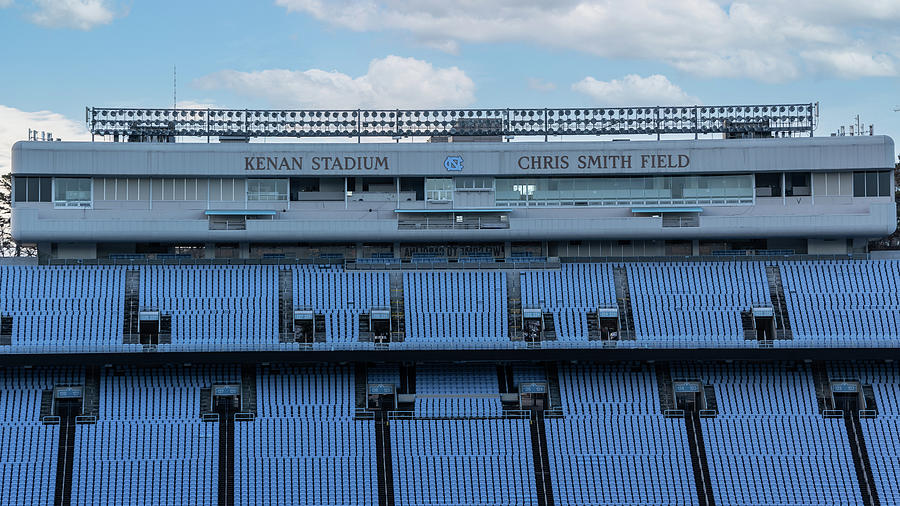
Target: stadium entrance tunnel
{"type": "Point", "coordinates": [67, 407]}
{"type": "Point", "coordinates": [539, 325]}
{"type": "Point", "coordinates": [154, 328]}
{"type": "Point", "coordinates": [6, 329]}
{"type": "Point", "coordinates": [851, 402]}
{"type": "Point", "coordinates": [381, 397]}
{"type": "Point", "coordinates": [847, 402]}
{"type": "Point", "coordinates": [226, 402]}
{"type": "Point", "coordinates": [533, 397]}
{"type": "Point", "coordinates": [148, 327]}
{"type": "Point", "coordinates": [379, 324]}
{"type": "Point", "coordinates": [304, 326]}
{"type": "Point", "coordinates": [693, 396]}
{"type": "Point", "coordinates": [532, 324]}
{"type": "Point", "coordinates": [764, 323]}
{"type": "Point", "coordinates": [759, 324]}
{"type": "Point", "coordinates": [607, 323]}
{"type": "Point", "coordinates": [850, 396]}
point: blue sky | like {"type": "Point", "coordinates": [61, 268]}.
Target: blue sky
{"type": "Point", "coordinates": [63, 55]}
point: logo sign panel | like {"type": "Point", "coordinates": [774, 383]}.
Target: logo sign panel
{"type": "Point", "coordinates": [226, 390]}
{"type": "Point", "coordinates": [381, 388]}
{"type": "Point", "coordinates": [686, 387]}
{"type": "Point", "coordinates": [532, 388]}
{"type": "Point", "coordinates": [844, 387]}
{"type": "Point", "coordinates": [68, 392]}
{"type": "Point", "coordinates": [453, 162]}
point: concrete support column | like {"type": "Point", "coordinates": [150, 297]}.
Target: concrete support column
{"type": "Point", "coordinates": [209, 250]}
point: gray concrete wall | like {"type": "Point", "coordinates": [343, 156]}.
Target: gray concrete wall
{"type": "Point", "coordinates": [371, 217]}
{"type": "Point", "coordinates": [418, 159]}
{"type": "Point", "coordinates": [873, 217]}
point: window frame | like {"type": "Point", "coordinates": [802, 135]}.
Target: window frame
{"type": "Point", "coordinates": [280, 191]}
{"type": "Point", "coordinates": [73, 204]}
{"type": "Point", "coordinates": [24, 185]}
{"type": "Point", "coordinates": [442, 194]}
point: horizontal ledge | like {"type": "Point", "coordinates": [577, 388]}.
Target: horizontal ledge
{"type": "Point", "coordinates": [240, 212]}
{"type": "Point", "coordinates": [457, 211]}
{"type": "Point", "coordinates": [529, 355]}
{"type": "Point", "coordinates": [666, 210]}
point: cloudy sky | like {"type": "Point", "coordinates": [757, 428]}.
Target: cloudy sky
{"type": "Point", "coordinates": [62, 55]}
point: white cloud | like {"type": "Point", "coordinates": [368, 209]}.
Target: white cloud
{"type": "Point", "coordinates": [389, 82]}
{"type": "Point", "coordinates": [14, 125]}
{"type": "Point", "coordinates": [5, 3]}
{"type": "Point", "coordinates": [634, 90]}
{"type": "Point", "coordinates": [538, 84]}
{"type": "Point", "coordinates": [852, 64]}
{"type": "Point", "coordinates": [768, 40]}
{"type": "Point", "coordinates": [78, 14]}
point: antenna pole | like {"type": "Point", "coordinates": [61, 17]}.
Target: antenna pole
{"type": "Point", "coordinates": [174, 87]}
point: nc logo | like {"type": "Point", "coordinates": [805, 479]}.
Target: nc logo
{"type": "Point", "coordinates": [453, 162]}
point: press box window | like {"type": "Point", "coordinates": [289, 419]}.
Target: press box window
{"type": "Point", "coordinates": [304, 185]}
{"type": "Point", "coordinates": [768, 184]}
{"type": "Point", "coordinates": [378, 184]}
{"type": "Point", "coordinates": [439, 190]}
{"type": "Point", "coordinates": [122, 188]}
{"type": "Point", "coordinates": [33, 189]}
{"type": "Point", "coordinates": [796, 184]}
{"type": "Point", "coordinates": [267, 189]}
{"type": "Point", "coordinates": [474, 183]}
{"type": "Point", "coordinates": [72, 192]}
{"type": "Point", "coordinates": [872, 184]}
{"type": "Point", "coordinates": [226, 189]}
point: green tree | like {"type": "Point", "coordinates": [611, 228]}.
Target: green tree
{"type": "Point", "coordinates": [9, 247]}
{"type": "Point", "coordinates": [6, 245]}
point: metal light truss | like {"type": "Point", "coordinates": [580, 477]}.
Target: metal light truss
{"type": "Point", "coordinates": [774, 119]}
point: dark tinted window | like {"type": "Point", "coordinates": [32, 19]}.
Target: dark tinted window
{"type": "Point", "coordinates": [46, 188]}
{"type": "Point", "coordinates": [871, 184]}
{"type": "Point", "coordinates": [859, 184]}
{"type": "Point", "coordinates": [884, 184]}
{"type": "Point", "coordinates": [34, 189]}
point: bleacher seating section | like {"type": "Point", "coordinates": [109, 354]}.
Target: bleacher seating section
{"type": "Point", "coordinates": [883, 432]}
{"type": "Point", "coordinates": [614, 446]}
{"type": "Point", "coordinates": [850, 303]}
{"type": "Point", "coordinates": [458, 461]}
{"type": "Point", "coordinates": [149, 445]}
{"type": "Point", "coordinates": [222, 304]}
{"type": "Point", "coordinates": [341, 297]}
{"type": "Point", "coordinates": [471, 390]}
{"type": "Point", "coordinates": [458, 449]}
{"type": "Point", "coordinates": [569, 294]}
{"type": "Point", "coordinates": [695, 304]}
{"type": "Point", "coordinates": [844, 302]}
{"type": "Point", "coordinates": [609, 442]}
{"type": "Point", "coordinates": [305, 447]}
{"type": "Point", "coordinates": [28, 448]}
{"type": "Point", "coordinates": [74, 307]}
{"type": "Point", "coordinates": [769, 444]}
{"type": "Point", "coordinates": [465, 307]}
